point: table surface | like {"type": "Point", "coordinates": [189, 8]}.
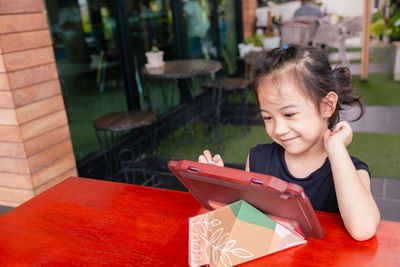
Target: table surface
{"type": "Point", "coordinates": [181, 69]}
{"type": "Point", "coordinates": [87, 222]}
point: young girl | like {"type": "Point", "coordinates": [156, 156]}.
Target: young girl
{"type": "Point", "coordinates": [300, 97]}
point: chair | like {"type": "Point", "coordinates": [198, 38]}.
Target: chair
{"type": "Point", "coordinates": [294, 32]}
{"type": "Point", "coordinates": [231, 105]}
{"type": "Point", "coordinates": [112, 128]}
{"type": "Point", "coordinates": [312, 22]}
{"type": "Point", "coordinates": [103, 63]}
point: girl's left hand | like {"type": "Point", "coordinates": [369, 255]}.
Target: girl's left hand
{"type": "Point", "coordinates": [342, 134]}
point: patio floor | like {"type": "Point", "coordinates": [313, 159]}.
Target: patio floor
{"type": "Point", "coordinates": [387, 197]}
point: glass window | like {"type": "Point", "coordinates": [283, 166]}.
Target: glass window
{"type": "Point", "coordinates": [85, 47]}
{"type": "Point", "coordinates": [203, 36]}
{"type": "Point", "coordinates": [228, 35]}
{"type": "Point", "coordinates": [197, 15]}
{"type": "Point", "coordinates": [83, 34]}
{"type": "Point", "coordinates": [150, 23]}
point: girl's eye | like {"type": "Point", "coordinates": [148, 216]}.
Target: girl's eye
{"type": "Point", "coordinates": [289, 115]}
{"type": "Point", "coordinates": [266, 118]}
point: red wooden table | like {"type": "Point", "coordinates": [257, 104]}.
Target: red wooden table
{"type": "Point", "coordinates": [89, 222]}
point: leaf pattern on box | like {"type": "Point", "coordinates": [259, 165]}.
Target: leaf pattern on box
{"type": "Point", "coordinates": [217, 248]}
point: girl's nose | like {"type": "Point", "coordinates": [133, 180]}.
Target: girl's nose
{"type": "Point", "coordinates": [280, 127]}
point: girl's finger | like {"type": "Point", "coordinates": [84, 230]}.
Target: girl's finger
{"type": "Point", "coordinates": [338, 128]}
{"type": "Point", "coordinates": [202, 159]}
{"type": "Point", "coordinates": [207, 155]}
{"type": "Point", "coordinates": [218, 160]}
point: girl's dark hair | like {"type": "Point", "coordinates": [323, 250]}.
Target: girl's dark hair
{"type": "Point", "coordinates": [310, 68]}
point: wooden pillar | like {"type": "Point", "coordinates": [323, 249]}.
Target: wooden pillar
{"type": "Point", "coordinates": [35, 145]}
{"type": "Point", "coordinates": [269, 25]}
{"type": "Point", "coordinates": [365, 40]}
{"type": "Point", "coordinates": [249, 8]}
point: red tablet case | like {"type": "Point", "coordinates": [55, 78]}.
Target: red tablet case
{"type": "Point", "coordinates": [215, 186]}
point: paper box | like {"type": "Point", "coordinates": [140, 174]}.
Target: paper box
{"type": "Point", "coordinates": [235, 234]}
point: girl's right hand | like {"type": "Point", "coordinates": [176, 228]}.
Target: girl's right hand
{"type": "Point", "coordinates": [208, 158]}
{"type": "Point", "coordinates": [342, 134]}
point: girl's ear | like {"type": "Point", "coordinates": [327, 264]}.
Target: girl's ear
{"type": "Point", "coordinates": [328, 104]}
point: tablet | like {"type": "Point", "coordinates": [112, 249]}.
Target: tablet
{"type": "Point", "coordinates": [215, 186]}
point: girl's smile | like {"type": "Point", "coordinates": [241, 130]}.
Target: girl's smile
{"type": "Point", "coordinates": [288, 140]}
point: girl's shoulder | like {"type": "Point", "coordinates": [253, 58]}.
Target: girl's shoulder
{"type": "Point", "coordinates": [263, 156]}
{"type": "Point", "coordinates": [360, 165]}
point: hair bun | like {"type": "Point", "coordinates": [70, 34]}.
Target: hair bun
{"type": "Point", "coordinates": [343, 76]}
{"type": "Point", "coordinates": [345, 91]}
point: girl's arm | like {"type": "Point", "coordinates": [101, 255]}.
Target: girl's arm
{"type": "Point", "coordinates": [357, 207]}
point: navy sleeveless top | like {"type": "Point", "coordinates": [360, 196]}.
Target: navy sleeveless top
{"type": "Point", "coordinates": [319, 187]}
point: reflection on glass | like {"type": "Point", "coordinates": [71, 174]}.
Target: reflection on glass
{"type": "Point", "coordinates": [70, 28]}
{"type": "Point", "coordinates": [227, 22]}
{"type": "Point", "coordinates": [84, 41]}
{"type": "Point", "coordinates": [150, 23]}
{"type": "Point", "coordinates": [91, 79]}
{"type": "Point", "coordinates": [198, 23]}
{"type": "Point", "coordinates": [202, 34]}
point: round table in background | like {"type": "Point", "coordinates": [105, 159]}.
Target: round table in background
{"type": "Point", "coordinates": [183, 72]}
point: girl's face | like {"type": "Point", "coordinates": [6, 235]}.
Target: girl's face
{"type": "Point", "coordinates": [292, 119]}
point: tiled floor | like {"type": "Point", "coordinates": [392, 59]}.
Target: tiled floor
{"type": "Point", "coordinates": [387, 195]}
{"type": "Point", "coordinates": [377, 119]}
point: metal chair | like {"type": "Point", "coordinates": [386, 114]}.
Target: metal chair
{"type": "Point", "coordinates": [231, 106]}
{"type": "Point", "coordinates": [111, 130]}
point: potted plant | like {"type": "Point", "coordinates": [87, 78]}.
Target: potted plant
{"type": "Point", "coordinates": [253, 43]}
{"type": "Point", "coordinates": [271, 42]}
{"type": "Point", "coordinates": [379, 28]}
{"type": "Point", "coordinates": [256, 39]}
{"type": "Point", "coordinates": [394, 22]}
{"type": "Point", "coordinates": [244, 48]}
{"type": "Point", "coordinates": [155, 58]}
